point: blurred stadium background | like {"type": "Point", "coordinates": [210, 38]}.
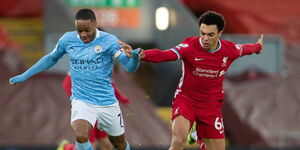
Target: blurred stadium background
{"type": "Point", "coordinates": [262, 106]}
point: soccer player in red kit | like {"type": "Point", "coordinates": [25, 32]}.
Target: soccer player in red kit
{"type": "Point", "coordinates": [199, 96]}
{"type": "Point", "coordinates": [98, 138]}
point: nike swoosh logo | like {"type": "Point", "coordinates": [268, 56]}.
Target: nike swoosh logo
{"type": "Point", "coordinates": [198, 59]}
{"type": "Point", "coordinates": [221, 131]}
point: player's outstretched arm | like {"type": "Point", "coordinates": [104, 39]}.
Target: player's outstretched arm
{"type": "Point", "coordinates": [43, 64]}
{"type": "Point", "coordinates": [157, 55]}
{"type": "Point", "coordinates": [248, 49]}
{"type": "Point", "coordinates": [151, 55]}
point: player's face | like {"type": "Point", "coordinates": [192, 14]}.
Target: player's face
{"type": "Point", "coordinates": [209, 36]}
{"type": "Point", "coordinates": [86, 30]}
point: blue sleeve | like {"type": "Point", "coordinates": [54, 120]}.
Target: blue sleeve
{"type": "Point", "coordinates": [129, 64]}
{"type": "Point", "coordinates": [43, 64]}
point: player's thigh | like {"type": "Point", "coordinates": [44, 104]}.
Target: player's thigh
{"type": "Point", "coordinates": [214, 144]}
{"type": "Point", "coordinates": [110, 119]}
{"type": "Point", "coordinates": [180, 126]}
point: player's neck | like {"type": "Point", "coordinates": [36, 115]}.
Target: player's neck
{"type": "Point", "coordinates": [215, 47]}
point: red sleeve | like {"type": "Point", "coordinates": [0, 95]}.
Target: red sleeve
{"type": "Point", "coordinates": [172, 54]}
{"type": "Point", "coordinates": [121, 98]}
{"type": "Point", "coordinates": [157, 55]}
{"type": "Point", "coordinates": [67, 85]}
{"type": "Point", "coordinates": [248, 49]}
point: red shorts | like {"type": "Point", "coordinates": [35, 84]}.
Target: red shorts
{"type": "Point", "coordinates": [97, 134]}
{"type": "Point", "coordinates": [207, 115]}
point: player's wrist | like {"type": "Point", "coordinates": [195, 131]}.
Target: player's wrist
{"type": "Point", "coordinates": [136, 52]}
{"type": "Point", "coordinates": [259, 48]}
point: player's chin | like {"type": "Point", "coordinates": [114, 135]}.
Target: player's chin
{"type": "Point", "coordinates": [86, 40]}
{"type": "Point", "coordinates": [206, 47]}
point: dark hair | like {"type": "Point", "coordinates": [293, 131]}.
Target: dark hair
{"type": "Point", "coordinates": [212, 18]}
{"type": "Point", "coordinates": [85, 14]}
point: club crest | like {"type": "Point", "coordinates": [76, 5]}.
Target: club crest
{"type": "Point", "coordinates": [224, 61]}
{"type": "Point", "coordinates": [98, 49]}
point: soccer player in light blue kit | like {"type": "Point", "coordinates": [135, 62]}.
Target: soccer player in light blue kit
{"type": "Point", "coordinates": [92, 53]}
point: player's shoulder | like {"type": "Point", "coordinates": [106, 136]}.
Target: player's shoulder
{"type": "Point", "coordinates": [68, 36]}
{"type": "Point", "coordinates": [190, 40]}
{"type": "Point", "coordinates": [231, 47]}
{"type": "Point", "coordinates": [228, 44]}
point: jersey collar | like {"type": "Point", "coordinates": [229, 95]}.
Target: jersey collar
{"type": "Point", "coordinates": [97, 33]}
{"type": "Point", "coordinates": [212, 51]}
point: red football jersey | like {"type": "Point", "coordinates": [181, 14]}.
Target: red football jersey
{"type": "Point", "coordinates": [202, 70]}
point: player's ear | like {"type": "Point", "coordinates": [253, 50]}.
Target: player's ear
{"type": "Point", "coordinates": [220, 33]}
{"type": "Point", "coordinates": [94, 23]}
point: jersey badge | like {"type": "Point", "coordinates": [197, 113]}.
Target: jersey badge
{"type": "Point", "coordinates": [224, 61]}
{"type": "Point", "coordinates": [98, 49]}
{"type": "Point", "coordinates": [182, 46]}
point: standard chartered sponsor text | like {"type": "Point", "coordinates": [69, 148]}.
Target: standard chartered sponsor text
{"type": "Point", "coordinates": [208, 73]}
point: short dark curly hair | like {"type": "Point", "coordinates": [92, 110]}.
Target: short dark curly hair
{"type": "Point", "coordinates": [212, 18]}
{"type": "Point", "coordinates": [85, 14]}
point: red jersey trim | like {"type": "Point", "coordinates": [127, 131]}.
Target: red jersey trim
{"type": "Point", "coordinates": [176, 52]}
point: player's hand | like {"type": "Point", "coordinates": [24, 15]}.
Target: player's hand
{"type": "Point", "coordinates": [261, 42]}
{"type": "Point", "coordinates": [16, 79]}
{"type": "Point", "coordinates": [141, 54]}
{"type": "Point", "coordinates": [127, 48]}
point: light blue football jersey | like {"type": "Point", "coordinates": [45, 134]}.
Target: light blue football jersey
{"type": "Point", "coordinates": [91, 66]}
